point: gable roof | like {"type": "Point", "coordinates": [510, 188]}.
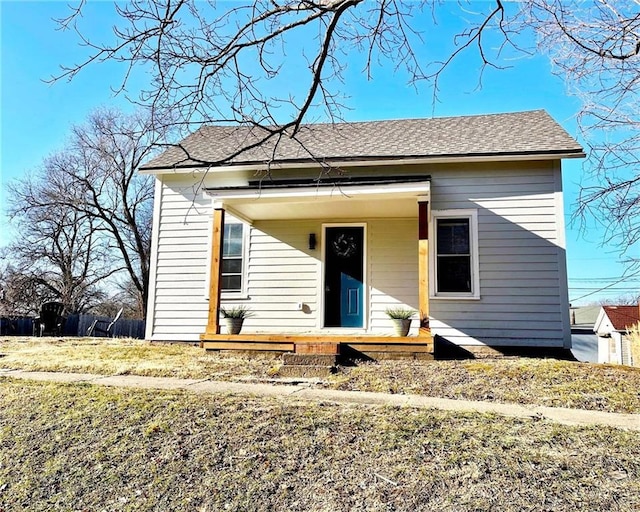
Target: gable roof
{"type": "Point", "coordinates": [532, 133]}
{"type": "Point", "coordinates": [622, 317]}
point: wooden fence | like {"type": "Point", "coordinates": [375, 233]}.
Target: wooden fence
{"type": "Point", "coordinates": [76, 325]}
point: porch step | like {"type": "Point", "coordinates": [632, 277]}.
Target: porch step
{"type": "Point", "coordinates": [306, 371]}
{"type": "Point", "coordinates": [317, 347]}
{"type": "Point", "coordinates": [306, 365]}
{"type": "Point", "coordinates": [290, 359]}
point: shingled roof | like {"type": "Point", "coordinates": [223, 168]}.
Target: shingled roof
{"type": "Point", "coordinates": [622, 317]}
{"type": "Point", "coordinates": [514, 134]}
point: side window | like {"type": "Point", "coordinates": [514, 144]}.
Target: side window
{"type": "Point", "coordinates": [232, 257]}
{"type": "Point", "coordinates": [455, 259]}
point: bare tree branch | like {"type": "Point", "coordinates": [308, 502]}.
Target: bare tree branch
{"type": "Point", "coordinates": [211, 63]}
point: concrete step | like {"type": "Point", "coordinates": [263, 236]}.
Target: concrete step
{"type": "Point", "coordinates": [310, 359]}
{"type": "Point", "coordinates": [306, 371]}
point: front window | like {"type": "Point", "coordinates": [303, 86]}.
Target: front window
{"type": "Point", "coordinates": [455, 261]}
{"type": "Point", "coordinates": [454, 255]}
{"type": "Point", "coordinates": [232, 257]}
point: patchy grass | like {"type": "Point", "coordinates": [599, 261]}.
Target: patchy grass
{"type": "Point", "coordinates": [112, 356]}
{"type": "Point", "coordinates": [525, 381]}
{"type": "Point", "coordinates": [546, 382]}
{"type": "Point", "coordinates": [83, 447]}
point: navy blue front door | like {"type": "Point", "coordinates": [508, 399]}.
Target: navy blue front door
{"type": "Point", "coordinates": [344, 289]}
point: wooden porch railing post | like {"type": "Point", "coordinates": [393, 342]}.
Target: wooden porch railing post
{"type": "Point", "coordinates": [215, 283]}
{"type": "Point", "coordinates": [423, 267]}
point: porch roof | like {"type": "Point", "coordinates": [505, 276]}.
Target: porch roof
{"type": "Point", "coordinates": [337, 198]}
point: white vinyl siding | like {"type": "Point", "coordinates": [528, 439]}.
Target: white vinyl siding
{"type": "Point", "coordinates": [393, 270]}
{"type": "Point", "coordinates": [178, 308]}
{"type": "Point", "coordinates": [520, 256]}
{"type": "Point", "coordinates": [283, 273]}
{"type": "Point", "coordinates": [520, 260]}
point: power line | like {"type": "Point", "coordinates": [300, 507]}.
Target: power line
{"type": "Point", "coordinates": [574, 288]}
{"type": "Point", "coordinates": [601, 279]}
{"type": "Point", "coordinates": [606, 287]}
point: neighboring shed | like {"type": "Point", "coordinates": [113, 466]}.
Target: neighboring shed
{"type": "Point", "coordinates": [584, 342]}
{"type": "Point", "coordinates": [460, 219]}
{"type": "Point", "coordinates": [612, 327]}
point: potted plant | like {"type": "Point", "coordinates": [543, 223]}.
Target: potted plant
{"type": "Point", "coordinates": [401, 318]}
{"type": "Point", "coordinates": [235, 318]}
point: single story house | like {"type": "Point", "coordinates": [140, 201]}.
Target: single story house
{"type": "Point", "coordinates": [458, 218]}
{"type": "Point", "coordinates": [612, 328]}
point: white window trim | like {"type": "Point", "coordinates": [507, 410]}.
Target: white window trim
{"type": "Point", "coordinates": [236, 295]}
{"type": "Point", "coordinates": [472, 215]}
{"type": "Point", "coordinates": [242, 293]}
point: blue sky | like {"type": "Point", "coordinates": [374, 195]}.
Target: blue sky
{"type": "Point", "coordinates": [36, 117]}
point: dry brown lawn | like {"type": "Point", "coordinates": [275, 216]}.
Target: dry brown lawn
{"type": "Point", "coordinates": [82, 447]}
{"type": "Point", "coordinates": [525, 381]}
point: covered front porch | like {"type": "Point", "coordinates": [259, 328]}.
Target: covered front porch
{"type": "Point", "coordinates": [344, 209]}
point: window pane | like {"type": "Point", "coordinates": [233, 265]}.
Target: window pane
{"type": "Point", "coordinates": [232, 240]}
{"type": "Point", "coordinates": [454, 274]}
{"type": "Point", "coordinates": [232, 266]}
{"type": "Point", "coordinates": [453, 252]}
{"type": "Point", "coordinates": [453, 236]}
{"type": "Point", "coordinates": [232, 282]}
{"type": "Point", "coordinates": [232, 253]}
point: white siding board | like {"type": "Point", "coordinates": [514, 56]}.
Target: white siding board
{"type": "Point", "coordinates": [171, 287]}
{"type": "Point", "coordinates": [179, 277]}
{"type": "Point", "coordinates": [511, 300]}
{"type": "Point", "coordinates": [452, 191]}
{"type": "Point", "coordinates": [521, 252]}
{"type": "Point", "coordinates": [293, 286]}
{"type": "Point", "coordinates": [180, 236]}
{"type": "Point", "coordinates": [266, 299]}
{"type": "Point", "coordinates": [490, 225]}
{"type": "Point", "coordinates": [184, 298]}
{"type": "Point", "coordinates": [487, 236]}
{"type": "Point", "coordinates": [495, 262]}
{"type": "Point", "coordinates": [185, 269]}
{"type": "Point", "coordinates": [496, 330]}
{"type": "Point", "coordinates": [533, 242]}
{"type": "Point", "coordinates": [175, 246]}
{"type": "Point", "coordinates": [521, 309]}
{"type": "Point", "coordinates": [518, 279]}
{"type": "Point", "coordinates": [477, 318]}
{"type": "Point", "coordinates": [180, 312]}
{"type": "Point", "coordinates": [265, 274]}
{"type": "Point", "coordinates": [184, 262]}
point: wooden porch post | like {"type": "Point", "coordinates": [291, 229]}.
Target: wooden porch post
{"type": "Point", "coordinates": [423, 266]}
{"type": "Point", "coordinates": [215, 283]}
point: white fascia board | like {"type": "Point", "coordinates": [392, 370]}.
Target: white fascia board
{"type": "Point", "coordinates": [364, 163]}
{"type": "Point", "coordinates": [347, 191]}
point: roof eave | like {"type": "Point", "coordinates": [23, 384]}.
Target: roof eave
{"type": "Point", "coordinates": [369, 162]}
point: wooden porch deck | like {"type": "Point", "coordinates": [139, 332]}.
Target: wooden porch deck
{"type": "Point", "coordinates": [370, 346]}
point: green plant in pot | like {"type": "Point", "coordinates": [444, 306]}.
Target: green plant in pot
{"type": "Point", "coordinates": [235, 317]}
{"type": "Point", "coordinates": [401, 318]}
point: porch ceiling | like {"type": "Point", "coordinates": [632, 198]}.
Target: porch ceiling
{"type": "Point", "coordinates": [391, 200]}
